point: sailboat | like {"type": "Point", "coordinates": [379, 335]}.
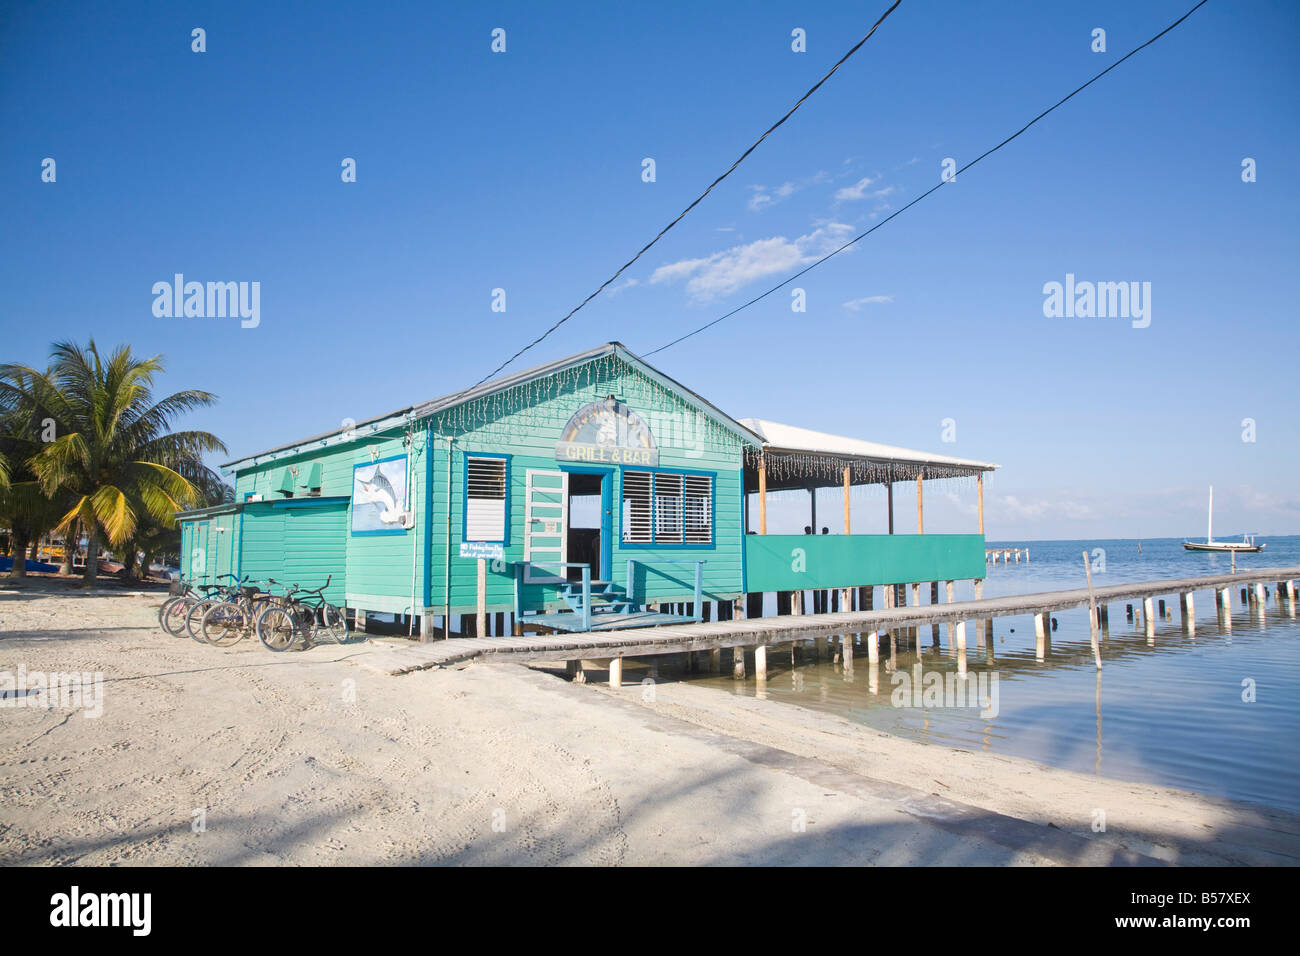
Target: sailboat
{"type": "Point", "coordinates": [1246, 545]}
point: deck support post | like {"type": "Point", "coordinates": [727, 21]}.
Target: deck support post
{"type": "Point", "coordinates": [979, 491]}
{"type": "Point", "coordinates": [873, 647]}
{"type": "Point", "coordinates": [1149, 619]}
{"type": "Point", "coordinates": [1041, 626]}
{"type": "Point", "coordinates": [760, 662]}
{"type": "Point", "coordinates": [948, 593]}
{"type": "Point", "coordinates": [1187, 610]}
{"type": "Point", "coordinates": [576, 673]}
{"type": "Point", "coordinates": [715, 661]}
{"type": "Point", "coordinates": [961, 648]}
{"type": "Point", "coordinates": [738, 663]}
{"type": "Point", "coordinates": [1225, 599]}
{"type": "Point", "coordinates": [1259, 593]}
{"type": "Point", "coordinates": [762, 495]}
{"type": "Point", "coordinates": [847, 527]}
{"type": "Point", "coordinates": [616, 672]}
{"type": "Point", "coordinates": [846, 644]}
{"type": "Point", "coordinates": [920, 511]}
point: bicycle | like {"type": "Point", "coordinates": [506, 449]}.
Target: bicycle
{"type": "Point", "coordinates": [173, 614]}
{"type": "Point", "coordinates": [301, 617]}
{"type": "Point", "coordinates": [213, 594]}
{"type": "Point", "coordinates": [228, 622]}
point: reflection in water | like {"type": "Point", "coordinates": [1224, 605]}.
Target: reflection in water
{"type": "Point", "coordinates": [1173, 707]}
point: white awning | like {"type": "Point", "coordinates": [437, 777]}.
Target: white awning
{"type": "Point", "coordinates": [796, 450]}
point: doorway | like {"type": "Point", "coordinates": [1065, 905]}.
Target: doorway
{"type": "Point", "coordinates": [590, 523]}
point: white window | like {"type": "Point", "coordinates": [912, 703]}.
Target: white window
{"type": "Point", "coordinates": [697, 509]}
{"type": "Point", "coordinates": [666, 508]}
{"type": "Point", "coordinates": [486, 508]}
{"type": "Point", "coordinates": [637, 525]}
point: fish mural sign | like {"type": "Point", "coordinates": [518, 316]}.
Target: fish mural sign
{"type": "Point", "coordinates": [379, 497]}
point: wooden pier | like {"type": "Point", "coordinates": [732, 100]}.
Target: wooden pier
{"type": "Point", "coordinates": [759, 632]}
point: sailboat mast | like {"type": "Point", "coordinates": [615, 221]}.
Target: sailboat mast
{"type": "Point", "coordinates": [1209, 524]}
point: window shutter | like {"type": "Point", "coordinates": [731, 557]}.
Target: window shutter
{"type": "Point", "coordinates": [697, 509]}
{"type": "Point", "coordinates": [637, 527]}
{"type": "Point", "coordinates": [668, 509]}
{"type": "Point", "coordinates": [485, 505]}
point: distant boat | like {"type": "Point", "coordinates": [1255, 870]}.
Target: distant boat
{"type": "Point", "coordinates": [1246, 545]}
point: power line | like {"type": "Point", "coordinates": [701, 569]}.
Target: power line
{"type": "Point", "coordinates": [941, 183]}
{"type": "Point", "coordinates": [697, 201]}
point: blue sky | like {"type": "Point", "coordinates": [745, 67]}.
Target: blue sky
{"type": "Point", "coordinates": [522, 171]}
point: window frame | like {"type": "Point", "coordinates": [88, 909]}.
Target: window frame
{"type": "Point", "coordinates": [504, 540]}
{"type": "Point", "coordinates": [683, 545]}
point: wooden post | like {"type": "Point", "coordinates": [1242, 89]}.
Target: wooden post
{"type": "Point", "coordinates": [762, 495]}
{"type": "Point", "coordinates": [920, 517]}
{"type": "Point", "coordinates": [979, 488]}
{"type": "Point", "coordinates": [616, 672]}
{"type": "Point", "coordinates": [1149, 618]}
{"type": "Point", "coordinates": [873, 648]}
{"type": "Point", "coordinates": [961, 648]}
{"type": "Point", "coordinates": [760, 662]}
{"type": "Point", "coordinates": [889, 495]}
{"type": "Point", "coordinates": [847, 526]}
{"type": "Point", "coordinates": [480, 616]}
{"type": "Point", "coordinates": [1041, 625]}
{"type": "Point", "coordinates": [1187, 608]}
{"type": "Point", "coordinates": [1093, 621]}
{"type": "Point", "coordinates": [738, 663]}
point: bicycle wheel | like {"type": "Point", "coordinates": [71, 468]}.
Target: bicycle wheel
{"type": "Point", "coordinates": [194, 619]}
{"type": "Point", "coordinates": [224, 624]}
{"type": "Point", "coordinates": [172, 615]}
{"type": "Point", "coordinates": [276, 629]}
{"type": "Point", "coordinates": [334, 623]}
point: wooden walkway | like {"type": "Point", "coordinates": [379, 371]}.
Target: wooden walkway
{"type": "Point", "coordinates": [708, 635]}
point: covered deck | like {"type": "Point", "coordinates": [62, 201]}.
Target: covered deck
{"type": "Point", "coordinates": [799, 458]}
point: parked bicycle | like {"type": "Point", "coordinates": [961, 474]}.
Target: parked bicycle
{"type": "Point", "coordinates": [304, 616]}
{"type": "Point", "coordinates": [175, 611]}
{"type": "Point", "coordinates": [225, 623]}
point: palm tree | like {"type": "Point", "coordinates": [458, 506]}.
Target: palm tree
{"type": "Point", "coordinates": [27, 512]}
{"type": "Point", "coordinates": [111, 451]}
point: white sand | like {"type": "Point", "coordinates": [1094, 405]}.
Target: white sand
{"type": "Point", "coordinates": [503, 764]}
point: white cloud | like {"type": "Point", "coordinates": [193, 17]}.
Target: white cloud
{"type": "Point", "coordinates": [857, 191]}
{"type": "Point", "coordinates": [723, 273]}
{"type": "Point", "coordinates": [763, 196]}
{"type": "Point", "coordinates": [618, 287]}
{"type": "Point", "coordinates": [855, 305]}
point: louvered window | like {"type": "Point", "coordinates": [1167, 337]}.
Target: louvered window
{"type": "Point", "coordinates": [485, 499]}
{"type": "Point", "coordinates": [667, 508]}
{"type": "Point", "coordinates": [697, 509]}
{"type": "Point", "coordinates": [637, 525]}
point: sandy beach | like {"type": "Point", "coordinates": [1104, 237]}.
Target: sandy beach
{"type": "Point", "coordinates": [238, 756]}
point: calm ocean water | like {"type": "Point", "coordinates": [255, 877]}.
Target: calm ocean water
{"type": "Point", "coordinates": [1170, 713]}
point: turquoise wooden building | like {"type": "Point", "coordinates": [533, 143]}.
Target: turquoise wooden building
{"type": "Point", "coordinates": [503, 497]}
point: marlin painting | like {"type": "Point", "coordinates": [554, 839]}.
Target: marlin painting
{"type": "Point", "coordinates": [377, 489]}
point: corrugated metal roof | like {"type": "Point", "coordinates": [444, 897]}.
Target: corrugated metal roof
{"type": "Point", "coordinates": [433, 406]}
{"type": "Point", "coordinates": [791, 438]}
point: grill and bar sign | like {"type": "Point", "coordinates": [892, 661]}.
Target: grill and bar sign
{"type": "Point", "coordinates": [607, 432]}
